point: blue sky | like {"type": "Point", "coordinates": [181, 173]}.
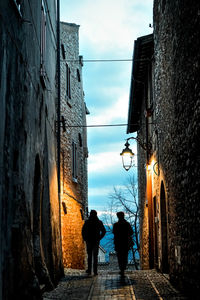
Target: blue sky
{"type": "Point", "coordinates": [108, 29]}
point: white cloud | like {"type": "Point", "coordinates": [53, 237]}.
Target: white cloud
{"type": "Point", "coordinates": [105, 191]}
{"type": "Point", "coordinates": [110, 24]}
{"type": "Point", "coordinates": [100, 191]}
{"type": "Point", "coordinates": [104, 161]}
{"type": "Point", "coordinates": [107, 115]}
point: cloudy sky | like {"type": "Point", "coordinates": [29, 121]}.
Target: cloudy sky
{"type": "Point", "coordinates": [108, 29]}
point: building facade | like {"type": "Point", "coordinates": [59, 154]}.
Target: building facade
{"type": "Point", "coordinates": [164, 110]}
{"type": "Point", "coordinates": [30, 246]}
{"type": "Point", "coordinates": [74, 152]}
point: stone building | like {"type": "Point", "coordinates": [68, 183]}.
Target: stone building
{"type": "Point", "coordinates": [74, 150]}
{"type": "Point", "coordinates": [30, 245]}
{"type": "Point", "coordinates": [164, 110]}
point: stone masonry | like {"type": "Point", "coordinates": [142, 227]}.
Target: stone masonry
{"type": "Point", "coordinates": [30, 245]}
{"type": "Point", "coordinates": [74, 151]}
{"type": "Point", "coordinates": [177, 111]}
{"type": "Point", "coordinates": [165, 104]}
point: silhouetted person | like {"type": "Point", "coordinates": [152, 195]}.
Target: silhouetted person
{"type": "Point", "coordinates": [93, 231]}
{"type": "Point", "coordinates": [122, 239]}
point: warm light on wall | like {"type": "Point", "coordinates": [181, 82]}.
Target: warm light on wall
{"type": "Point", "coordinates": [149, 167]}
{"type": "Point", "coordinates": [153, 167]}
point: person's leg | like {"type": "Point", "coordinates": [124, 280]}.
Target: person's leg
{"type": "Point", "coordinates": [122, 256]}
{"type": "Point", "coordinates": [95, 257]}
{"type": "Point", "coordinates": [89, 253]}
{"type": "Point", "coordinates": [120, 260]}
{"type": "Point", "coordinates": [124, 259]}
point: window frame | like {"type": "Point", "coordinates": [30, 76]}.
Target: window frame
{"type": "Point", "coordinates": [78, 75]}
{"type": "Point", "coordinates": [68, 82]}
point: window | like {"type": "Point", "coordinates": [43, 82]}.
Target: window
{"type": "Point", "coordinates": [63, 50]}
{"type": "Point", "coordinates": [82, 216]}
{"type": "Point", "coordinates": [68, 84]}
{"type": "Point", "coordinates": [78, 75]}
{"type": "Point", "coordinates": [43, 38]}
{"type": "Point", "coordinates": [74, 161]}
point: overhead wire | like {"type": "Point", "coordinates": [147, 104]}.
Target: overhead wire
{"type": "Point", "coordinates": [108, 60]}
{"type": "Point", "coordinates": [101, 125]}
{"type": "Point", "coordinates": [104, 125]}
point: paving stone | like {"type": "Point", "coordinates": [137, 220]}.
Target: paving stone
{"type": "Point", "coordinates": [136, 285]}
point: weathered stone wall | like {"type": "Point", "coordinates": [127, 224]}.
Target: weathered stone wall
{"type": "Point", "coordinates": [143, 207]}
{"type": "Point", "coordinates": [74, 190]}
{"type": "Point", "coordinates": [177, 110]}
{"type": "Point", "coordinates": [73, 244]}
{"type": "Point", "coordinates": [30, 252]}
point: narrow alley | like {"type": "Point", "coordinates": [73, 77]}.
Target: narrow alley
{"type": "Point", "coordinates": [135, 285]}
{"type": "Point", "coordinates": [99, 130]}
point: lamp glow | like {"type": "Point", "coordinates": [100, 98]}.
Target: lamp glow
{"type": "Point", "coordinates": [127, 157]}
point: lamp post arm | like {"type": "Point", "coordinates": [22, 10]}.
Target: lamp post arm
{"type": "Point", "coordinates": [143, 145]}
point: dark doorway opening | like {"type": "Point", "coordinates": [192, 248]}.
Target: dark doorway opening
{"type": "Point", "coordinates": [164, 226]}
{"type": "Point", "coordinates": [155, 214]}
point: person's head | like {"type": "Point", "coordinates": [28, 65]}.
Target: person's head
{"type": "Point", "coordinates": [120, 215]}
{"type": "Point", "coordinates": [93, 214]}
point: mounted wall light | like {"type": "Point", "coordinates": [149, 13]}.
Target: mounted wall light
{"type": "Point", "coordinates": [127, 154]}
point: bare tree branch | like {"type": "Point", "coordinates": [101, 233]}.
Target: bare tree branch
{"type": "Point", "coordinates": [125, 198]}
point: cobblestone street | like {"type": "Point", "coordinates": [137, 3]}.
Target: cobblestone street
{"type": "Point", "coordinates": [136, 285]}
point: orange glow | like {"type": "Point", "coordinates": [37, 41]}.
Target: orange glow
{"type": "Point", "coordinates": [150, 216]}
{"type": "Point", "coordinates": [149, 167]}
{"type": "Point", "coordinates": [73, 247]}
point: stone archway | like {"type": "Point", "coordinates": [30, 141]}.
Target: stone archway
{"type": "Point", "coordinates": [164, 234]}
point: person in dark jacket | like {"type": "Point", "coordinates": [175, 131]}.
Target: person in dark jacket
{"type": "Point", "coordinates": [93, 231]}
{"type": "Point", "coordinates": [123, 232]}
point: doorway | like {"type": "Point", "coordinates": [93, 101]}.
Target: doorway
{"type": "Point", "coordinates": [164, 235]}
{"type": "Point", "coordinates": [155, 214]}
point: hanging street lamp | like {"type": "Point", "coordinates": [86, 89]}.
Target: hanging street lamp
{"type": "Point", "coordinates": [127, 154]}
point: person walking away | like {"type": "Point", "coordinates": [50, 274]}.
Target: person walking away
{"type": "Point", "coordinates": [123, 232]}
{"type": "Point", "coordinates": [93, 231]}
